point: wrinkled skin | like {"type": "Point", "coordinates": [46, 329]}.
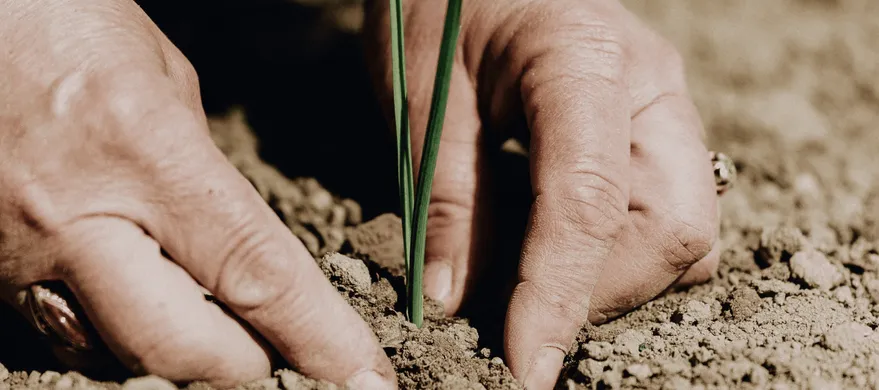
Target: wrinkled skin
{"type": "Point", "coordinates": [624, 198]}
{"type": "Point", "coordinates": [106, 159]}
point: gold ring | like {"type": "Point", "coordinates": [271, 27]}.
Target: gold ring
{"type": "Point", "coordinates": [54, 317]}
{"type": "Point", "coordinates": [57, 316]}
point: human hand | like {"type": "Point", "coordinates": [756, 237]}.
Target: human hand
{"type": "Point", "coordinates": [624, 198]}
{"type": "Point", "coordinates": [107, 161]}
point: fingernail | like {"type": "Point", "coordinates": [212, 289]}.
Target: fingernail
{"type": "Point", "coordinates": [545, 368]}
{"type": "Point", "coordinates": [438, 280]}
{"type": "Point", "coordinates": [369, 380]}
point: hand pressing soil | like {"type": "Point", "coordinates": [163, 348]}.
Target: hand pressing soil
{"type": "Point", "coordinates": [785, 88]}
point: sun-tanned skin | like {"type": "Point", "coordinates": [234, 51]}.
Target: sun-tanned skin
{"type": "Point", "coordinates": [106, 158]}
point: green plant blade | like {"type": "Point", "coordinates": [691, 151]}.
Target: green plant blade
{"type": "Point", "coordinates": [401, 124]}
{"type": "Point", "coordinates": [429, 156]}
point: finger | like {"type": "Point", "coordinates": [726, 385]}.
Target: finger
{"type": "Point", "coordinates": [702, 271]}
{"type": "Point", "coordinates": [579, 121]}
{"type": "Point", "coordinates": [453, 199]}
{"type": "Point", "coordinates": [150, 312]}
{"type": "Point", "coordinates": [705, 269]}
{"type": "Point", "coordinates": [673, 208]}
{"type": "Point", "coordinates": [215, 225]}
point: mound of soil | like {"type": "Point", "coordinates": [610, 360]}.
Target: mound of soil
{"type": "Point", "coordinates": [787, 89]}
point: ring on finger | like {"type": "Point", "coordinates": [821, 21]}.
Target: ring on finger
{"type": "Point", "coordinates": [724, 171]}
{"type": "Point", "coordinates": [54, 316]}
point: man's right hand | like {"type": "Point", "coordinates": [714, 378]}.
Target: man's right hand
{"type": "Point", "coordinates": [106, 160]}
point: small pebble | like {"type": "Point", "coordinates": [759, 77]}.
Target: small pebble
{"type": "Point", "coordinates": [337, 216]}
{"type": "Point", "coordinates": [310, 185]}
{"type": "Point", "coordinates": [598, 350]}
{"type": "Point", "coordinates": [780, 243]}
{"type": "Point", "coordinates": [872, 287]}
{"type": "Point", "coordinates": [463, 336]}
{"type": "Point", "coordinates": [49, 376]}
{"type": "Point", "coordinates": [353, 212]}
{"type": "Point", "coordinates": [33, 379]}
{"type": "Point", "coordinates": [639, 371]}
{"type": "Point", "coordinates": [65, 382]}
{"type": "Point", "coordinates": [590, 368]}
{"type": "Point", "coordinates": [288, 192]}
{"type": "Point", "coordinates": [849, 336]}
{"type": "Point", "coordinates": [455, 382]}
{"type": "Point", "coordinates": [148, 383]}
{"type": "Point", "coordinates": [293, 380]}
{"type": "Point", "coordinates": [320, 200]}
{"type": "Point", "coordinates": [334, 238]}
{"type": "Point", "coordinates": [675, 383]}
{"type": "Point", "coordinates": [813, 268]}
{"type": "Point", "coordinates": [351, 272]}
{"type": "Point", "coordinates": [692, 312]}
{"type": "Point", "coordinates": [819, 383]}
{"type": "Point", "coordinates": [759, 375]}
{"type": "Point", "coordinates": [264, 384]}
{"type": "Point", "coordinates": [630, 342]}
{"type": "Point", "coordinates": [612, 379]}
{"type": "Point", "coordinates": [674, 367]}
{"type": "Point", "coordinates": [844, 294]}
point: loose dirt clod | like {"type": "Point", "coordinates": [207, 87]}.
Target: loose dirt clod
{"type": "Point", "coordinates": [744, 303]}
{"type": "Point", "coordinates": [850, 336]}
{"type": "Point", "coordinates": [813, 268]}
{"type": "Point", "coordinates": [785, 88]}
{"type": "Point", "coordinates": [778, 244]}
{"type": "Point", "coordinates": [148, 383]}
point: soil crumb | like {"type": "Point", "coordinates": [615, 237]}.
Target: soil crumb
{"type": "Point", "coordinates": [788, 90]}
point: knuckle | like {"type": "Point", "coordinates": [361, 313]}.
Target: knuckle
{"type": "Point", "coordinates": [594, 53]}
{"type": "Point", "coordinates": [142, 117]}
{"type": "Point", "coordinates": [673, 65]}
{"type": "Point", "coordinates": [669, 55]}
{"type": "Point", "coordinates": [133, 95]}
{"type": "Point", "coordinates": [686, 242]}
{"type": "Point", "coordinates": [159, 137]}
{"type": "Point", "coordinates": [251, 275]}
{"type": "Point", "coordinates": [553, 296]}
{"type": "Point", "coordinates": [185, 76]}
{"type": "Point", "coordinates": [448, 212]}
{"type": "Point", "coordinates": [184, 70]}
{"type": "Point", "coordinates": [593, 204]}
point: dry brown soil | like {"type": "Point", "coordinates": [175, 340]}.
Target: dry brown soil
{"type": "Point", "coordinates": [788, 88]}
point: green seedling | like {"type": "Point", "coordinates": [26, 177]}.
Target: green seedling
{"type": "Point", "coordinates": [414, 201]}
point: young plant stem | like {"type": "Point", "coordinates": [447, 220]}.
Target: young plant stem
{"type": "Point", "coordinates": [429, 156]}
{"type": "Point", "coordinates": [401, 124]}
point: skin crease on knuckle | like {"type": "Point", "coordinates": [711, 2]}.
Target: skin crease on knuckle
{"type": "Point", "coordinates": [685, 242]}
{"type": "Point", "coordinates": [592, 209]}
{"type": "Point", "coordinates": [250, 276]}
{"type": "Point", "coordinates": [42, 193]}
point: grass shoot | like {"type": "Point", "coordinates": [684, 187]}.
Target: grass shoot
{"type": "Point", "coordinates": [414, 202]}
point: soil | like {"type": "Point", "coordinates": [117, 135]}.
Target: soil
{"type": "Point", "coordinates": [786, 88]}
